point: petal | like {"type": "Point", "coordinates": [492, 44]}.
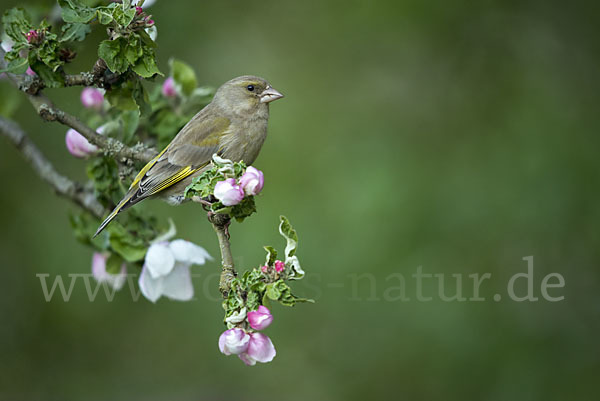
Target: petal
{"type": "Point", "coordinates": [177, 285]}
{"type": "Point", "coordinates": [159, 259]}
{"type": "Point", "coordinates": [99, 266]}
{"type": "Point", "coordinates": [188, 252]}
{"type": "Point", "coordinates": [234, 341]}
{"type": "Point", "coordinates": [247, 359]}
{"type": "Point", "coordinates": [151, 287]}
{"type": "Point", "coordinates": [261, 348]}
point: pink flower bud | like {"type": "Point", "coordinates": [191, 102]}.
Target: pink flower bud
{"type": "Point", "coordinates": [30, 72]}
{"type": "Point", "coordinates": [228, 192]}
{"type": "Point", "coordinates": [264, 268]}
{"type": "Point", "coordinates": [168, 88]}
{"type": "Point", "coordinates": [149, 21]}
{"type": "Point", "coordinates": [138, 10]}
{"type": "Point", "coordinates": [252, 181]}
{"type": "Point", "coordinates": [260, 319]}
{"type": "Point", "coordinates": [32, 36]}
{"type": "Point", "coordinates": [234, 341]}
{"type": "Point", "coordinates": [92, 98]}
{"type": "Point", "coordinates": [279, 266]}
{"type": "Point", "coordinates": [77, 145]}
{"type": "Point", "coordinates": [260, 349]}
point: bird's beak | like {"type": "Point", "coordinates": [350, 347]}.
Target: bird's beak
{"type": "Point", "coordinates": [270, 94]}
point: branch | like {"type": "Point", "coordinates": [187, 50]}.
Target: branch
{"type": "Point", "coordinates": [44, 107]}
{"type": "Point", "coordinates": [110, 146]}
{"type": "Point", "coordinates": [100, 76]}
{"type": "Point", "coordinates": [220, 222]}
{"type": "Point", "coordinates": [61, 184]}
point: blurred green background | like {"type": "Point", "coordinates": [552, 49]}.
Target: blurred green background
{"type": "Point", "coordinates": [457, 136]}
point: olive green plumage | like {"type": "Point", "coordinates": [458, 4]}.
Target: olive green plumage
{"type": "Point", "coordinates": [233, 125]}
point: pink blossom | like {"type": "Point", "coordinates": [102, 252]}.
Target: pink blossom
{"type": "Point", "coordinates": [138, 10]}
{"type": "Point", "coordinates": [32, 36]}
{"type": "Point", "coordinates": [77, 145]}
{"type": "Point", "coordinates": [228, 192]}
{"type": "Point", "coordinates": [92, 98]}
{"type": "Point", "coordinates": [168, 88]}
{"type": "Point", "coordinates": [260, 319]}
{"type": "Point", "coordinates": [30, 71]}
{"type": "Point", "coordinates": [252, 181]}
{"type": "Point", "coordinates": [260, 349]}
{"type": "Point", "coordinates": [234, 341]}
{"type": "Point", "coordinates": [279, 266]}
{"type": "Point", "coordinates": [99, 272]}
{"type": "Point", "coordinates": [264, 268]}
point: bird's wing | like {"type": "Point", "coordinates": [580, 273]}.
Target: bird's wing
{"type": "Point", "coordinates": [191, 150]}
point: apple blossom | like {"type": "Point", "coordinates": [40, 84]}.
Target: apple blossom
{"type": "Point", "coordinates": [166, 269]}
{"type": "Point", "coordinates": [228, 192]}
{"type": "Point", "coordinates": [92, 98]}
{"type": "Point", "coordinates": [168, 87]}
{"type": "Point", "coordinates": [279, 266]}
{"type": "Point", "coordinates": [99, 272]}
{"type": "Point", "coordinates": [260, 349]}
{"type": "Point", "coordinates": [260, 319]}
{"type": "Point", "coordinates": [234, 341]}
{"type": "Point", "coordinates": [252, 181]}
{"type": "Point", "coordinates": [77, 145]}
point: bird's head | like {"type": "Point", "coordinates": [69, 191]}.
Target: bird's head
{"type": "Point", "coordinates": [246, 94]}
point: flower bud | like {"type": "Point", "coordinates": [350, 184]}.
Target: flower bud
{"type": "Point", "coordinates": [168, 87]}
{"type": "Point", "coordinates": [252, 181]}
{"type": "Point", "coordinates": [260, 349]}
{"type": "Point", "coordinates": [228, 192]}
{"type": "Point", "coordinates": [77, 145]}
{"type": "Point", "coordinates": [260, 319]}
{"type": "Point", "coordinates": [234, 341]}
{"type": "Point", "coordinates": [32, 36]}
{"type": "Point", "coordinates": [92, 98]}
{"type": "Point", "coordinates": [279, 266]}
{"type": "Point", "coordinates": [30, 72]}
{"type": "Point", "coordinates": [264, 268]}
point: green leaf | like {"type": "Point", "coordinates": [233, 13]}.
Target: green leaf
{"type": "Point", "coordinates": [114, 53]}
{"type": "Point", "coordinates": [184, 76]}
{"type": "Point", "coordinates": [291, 260]}
{"type": "Point", "coordinates": [124, 13]}
{"type": "Point", "coordinates": [114, 263]}
{"type": "Point", "coordinates": [146, 66]}
{"type": "Point", "coordinates": [271, 255]}
{"type": "Point", "coordinates": [273, 292]}
{"type": "Point", "coordinates": [140, 96]}
{"type": "Point", "coordinates": [129, 121]}
{"type": "Point", "coordinates": [52, 79]}
{"type": "Point", "coordinates": [74, 31]}
{"type": "Point", "coordinates": [17, 66]}
{"type": "Point", "coordinates": [121, 97]}
{"type": "Point", "coordinates": [17, 23]}
{"type": "Point", "coordinates": [131, 248]}
{"type": "Point", "coordinates": [75, 11]}
{"type": "Point", "coordinates": [243, 209]}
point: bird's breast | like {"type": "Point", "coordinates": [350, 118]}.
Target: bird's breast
{"type": "Point", "coordinates": [245, 141]}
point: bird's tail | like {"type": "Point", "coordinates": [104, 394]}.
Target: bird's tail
{"type": "Point", "coordinates": [122, 205]}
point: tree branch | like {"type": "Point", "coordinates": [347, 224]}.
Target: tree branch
{"type": "Point", "coordinates": [44, 107]}
{"type": "Point", "coordinates": [220, 222]}
{"type": "Point", "coordinates": [61, 184]}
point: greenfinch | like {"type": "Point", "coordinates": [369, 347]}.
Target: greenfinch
{"type": "Point", "coordinates": [233, 125]}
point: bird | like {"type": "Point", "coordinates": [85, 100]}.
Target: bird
{"type": "Point", "coordinates": [233, 125]}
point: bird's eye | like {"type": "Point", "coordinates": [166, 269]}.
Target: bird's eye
{"type": "Point", "coordinates": [250, 88]}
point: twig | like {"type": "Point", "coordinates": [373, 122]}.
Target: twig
{"type": "Point", "coordinates": [228, 273]}
{"type": "Point", "coordinates": [61, 184]}
{"type": "Point", "coordinates": [110, 146]}
{"type": "Point", "coordinates": [44, 107]}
